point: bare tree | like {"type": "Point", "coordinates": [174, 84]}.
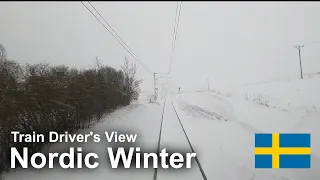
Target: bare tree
{"type": "Point", "coordinates": [3, 53]}
{"type": "Point", "coordinates": [132, 82]}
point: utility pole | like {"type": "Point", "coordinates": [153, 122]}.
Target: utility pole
{"type": "Point", "coordinates": [154, 85]}
{"type": "Point", "coordinates": [299, 49]}
{"type": "Point", "coordinates": [208, 84]}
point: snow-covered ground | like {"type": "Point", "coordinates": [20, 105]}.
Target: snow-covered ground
{"type": "Point", "coordinates": [220, 125]}
{"type": "Point", "coordinates": [142, 118]}
{"type": "Point", "coordinates": [283, 106]}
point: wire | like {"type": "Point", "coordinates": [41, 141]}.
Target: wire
{"type": "Point", "coordinates": [121, 42]}
{"type": "Point", "coordinates": [175, 32]}
{"type": "Point", "coordinates": [115, 32]}
{"type": "Point", "coordinates": [312, 42]}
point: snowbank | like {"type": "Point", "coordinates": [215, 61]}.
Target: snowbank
{"type": "Point", "coordinates": [221, 124]}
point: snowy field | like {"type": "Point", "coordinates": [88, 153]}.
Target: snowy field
{"type": "Point", "coordinates": [220, 126]}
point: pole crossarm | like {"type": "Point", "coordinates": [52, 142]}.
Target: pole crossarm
{"type": "Point", "coordinates": [162, 77]}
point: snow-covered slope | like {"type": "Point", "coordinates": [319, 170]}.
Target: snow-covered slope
{"type": "Point", "coordinates": [222, 124]}
{"type": "Point", "coordinates": [283, 106]}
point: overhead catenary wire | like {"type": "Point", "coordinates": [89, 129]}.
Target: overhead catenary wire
{"type": "Point", "coordinates": [115, 35]}
{"type": "Point", "coordinates": [175, 32]}
{"type": "Point", "coordinates": [115, 32]}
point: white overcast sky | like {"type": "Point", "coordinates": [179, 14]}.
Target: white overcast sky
{"type": "Point", "coordinates": [228, 42]}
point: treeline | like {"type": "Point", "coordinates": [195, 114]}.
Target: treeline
{"type": "Point", "coordinates": [45, 98]}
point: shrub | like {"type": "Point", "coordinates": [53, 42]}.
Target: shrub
{"type": "Point", "coordinates": [45, 98]}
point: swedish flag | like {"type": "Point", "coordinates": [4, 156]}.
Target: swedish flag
{"type": "Point", "coordinates": [282, 151]}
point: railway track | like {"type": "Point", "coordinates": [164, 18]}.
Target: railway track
{"type": "Point", "coordinates": [185, 135]}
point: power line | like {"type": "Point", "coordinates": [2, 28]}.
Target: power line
{"type": "Point", "coordinates": [120, 41]}
{"type": "Point", "coordinates": [116, 33]}
{"type": "Point", "coordinates": [176, 26]}
{"type": "Point", "coordinates": [312, 42]}
{"type": "Point", "coordinates": [175, 32]}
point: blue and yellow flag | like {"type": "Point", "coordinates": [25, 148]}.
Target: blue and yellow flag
{"type": "Point", "coordinates": [282, 151]}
